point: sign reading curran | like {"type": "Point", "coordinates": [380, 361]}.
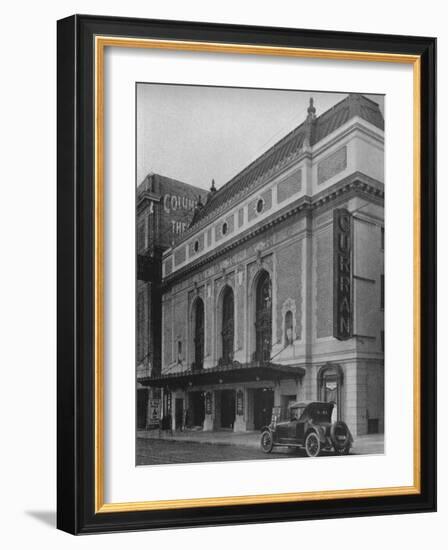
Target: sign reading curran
{"type": "Point", "coordinates": [342, 275]}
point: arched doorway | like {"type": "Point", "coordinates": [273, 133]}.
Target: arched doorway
{"type": "Point", "coordinates": [329, 383]}
{"type": "Point", "coordinates": [228, 325]}
{"type": "Point", "coordinates": [263, 318]}
{"type": "Point", "coordinates": [198, 334]}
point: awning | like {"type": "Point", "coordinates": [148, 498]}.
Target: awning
{"type": "Point", "coordinates": [225, 374]}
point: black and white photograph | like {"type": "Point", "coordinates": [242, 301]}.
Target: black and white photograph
{"type": "Point", "coordinates": [260, 274]}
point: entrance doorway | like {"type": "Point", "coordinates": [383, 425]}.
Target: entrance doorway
{"type": "Point", "coordinates": [142, 407]}
{"type": "Point", "coordinates": [263, 403]}
{"type": "Point", "coordinates": [179, 415]}
{"type": "Point", "coordinates": [329, 380]}
{"type": "Point", "coordinates": [227, 408]}
{"type": "Point", "coordinates": [196, 410]}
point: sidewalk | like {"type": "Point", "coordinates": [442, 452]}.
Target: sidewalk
{"type": "Point", "coordinates": [366, 444]}
{"type": "Point", "coordinates": [245, 439]}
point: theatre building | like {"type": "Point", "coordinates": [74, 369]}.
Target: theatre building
{"type": "Point", "coordinates": [164, 209]}
{"type": "Point", "coordinates": [275, 292]}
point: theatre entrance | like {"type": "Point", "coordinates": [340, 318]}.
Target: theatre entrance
{"type": "Point", "coordinates": [227, 408]}
{"type": "Point", "coordinates": [263, 403]}
{"type": "Point", "coordinates": [196, 409]}
{"type": "Point", "coordinates": [179, 416]}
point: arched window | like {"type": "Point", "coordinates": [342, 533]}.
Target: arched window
{"type": "Point", "coordinates": [263, 318]}
{"type": "Point", "coordinates": [227, 325]}
{"type": "Point", "coordinates": [289, 338]}
{"type": "Point", "coordinates": [198, 313]}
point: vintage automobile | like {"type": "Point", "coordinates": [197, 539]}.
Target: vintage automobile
{"type": "Point", "coordinates": [309, 427]}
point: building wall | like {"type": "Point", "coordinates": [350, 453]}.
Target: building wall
{"type": "Point", "coordinates": [289, 289]}
{"type": "Point", "coordinates": [281, 257]}
{"type": "Point", "coordinates": [165, 208]}
{"type": "Point", "coordinates": [297, 252]}
{"type": "Point", "coordinates": [144, 342]}
{"type": "Point", "coordinates": [323, 309]}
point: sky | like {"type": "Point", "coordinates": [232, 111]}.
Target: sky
{"type": "Point", "coordinates": [198, 133]}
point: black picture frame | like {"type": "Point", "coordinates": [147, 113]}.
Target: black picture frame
{"type": "Point", "coordinates": [76, 511]}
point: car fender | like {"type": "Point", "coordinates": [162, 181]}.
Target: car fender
{"type": "Point", "coordinates": [270, 429]}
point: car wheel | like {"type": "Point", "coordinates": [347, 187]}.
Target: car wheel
{"type": "Point", "coordinates": [312, 444]}
{"type": "Point", "coordinates": [267, 442]}
{"type": "Point", "coordinates": [340, 438]}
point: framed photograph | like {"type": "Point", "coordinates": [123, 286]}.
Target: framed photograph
{"type": "Point", "coordinates": [246, 274]}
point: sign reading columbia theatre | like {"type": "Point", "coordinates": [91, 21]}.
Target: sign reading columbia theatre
{"type": "Point", "coordinates": [342, 254]}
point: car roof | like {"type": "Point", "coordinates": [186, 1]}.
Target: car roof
{"type": "Point", "coordinates": [297, 404]}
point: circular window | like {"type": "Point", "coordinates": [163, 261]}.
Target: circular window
{"type": "Point", "coordinates": [224, 228]}
{"type": "Point", "coordinates": [260, 205]}
{"type": "Point", "coordinates": [196, 246]}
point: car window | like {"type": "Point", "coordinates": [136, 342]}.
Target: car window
{"type": "Point", "coordinates": [297, 412]}
{"type": "Point", "coordinates": [320, 414]}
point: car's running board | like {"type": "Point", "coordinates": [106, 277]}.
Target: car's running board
{"type": "Point", "coordinates": [288, 445]}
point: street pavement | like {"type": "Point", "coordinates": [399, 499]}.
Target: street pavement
{"type": "Point", "coordinates": [159, 451]}
{"type": "Point", "coordinates": [154, 447]}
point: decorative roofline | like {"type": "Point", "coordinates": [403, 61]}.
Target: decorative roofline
{"type": "Point", "coordinates": [311, 131]}
{"type": "Point", "coordinates": [353, 124]}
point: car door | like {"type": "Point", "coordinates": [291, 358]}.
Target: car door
{"type": "Point", "coordinates": [282, 430]}
{"type": "Point", "coordinates": [292, 431]}
{"type": "Point", "coordinates": [300, 431]}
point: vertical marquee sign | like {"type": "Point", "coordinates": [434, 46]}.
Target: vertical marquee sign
{"type": "Point", "coordinates": [342, 274]}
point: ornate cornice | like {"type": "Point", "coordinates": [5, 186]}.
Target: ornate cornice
{"type": "Point", "coordinates": [357, 184]}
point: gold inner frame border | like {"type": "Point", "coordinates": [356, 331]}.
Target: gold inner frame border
{"type": "Point", "coordinates": [100, 43]}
